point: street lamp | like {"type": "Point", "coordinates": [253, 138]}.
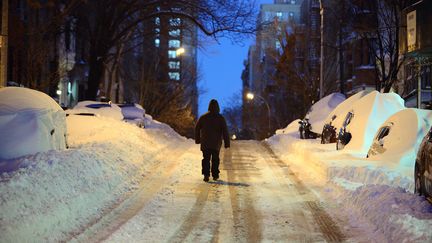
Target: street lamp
{"type": "Point", "coordinates": [251, 96]}
{"type": "Point", "coordinates": [180, 51]}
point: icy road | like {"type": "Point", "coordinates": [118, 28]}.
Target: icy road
{"type": "Point", "coordinates": [258, 198]}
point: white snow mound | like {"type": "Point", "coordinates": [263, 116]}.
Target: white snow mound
{"type": "Point", "coordinates": [30, 122]}
{"type": "Point", "coordinates": [111, 110]}
{"type": "Point", "coordinates": [319, 111]}
{"type": "Point", "coordinates": [407, 130]}
{"type": "Point", "coordinates": [369, 113]}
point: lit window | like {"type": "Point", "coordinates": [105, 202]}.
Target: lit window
{"type": "Point", "coordinates": [157, 30]}
{"type": "Point", "coordinates": [175, 22]}
{"type": "Point", "coordinates": [157, 21]}
{"type": "Point", "coordinates": [174, 65]}
{"type": "Point", "coordinates": [172, 54]}
{"type": "Point", "coordinates": [293, 2]}
{"type": "Point", "coordinates": [278, 44]}
{"type": "Point", "coordinates": [291, 14]}
{"type": "Point", "coordinates": [174, 33]}
{"type": "Point", "coordinates": [174, 75]}
{"type": "Point", "coordinates": [173, 43]}
{"type": "Point", "coordinates": [157, 42]}
{"type": "Point", "coordinates": [279, 15]}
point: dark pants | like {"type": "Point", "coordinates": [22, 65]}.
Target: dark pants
{"type": "Point", "coordinates": [214, 155]}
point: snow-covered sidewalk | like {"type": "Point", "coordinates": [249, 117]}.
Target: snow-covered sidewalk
{"type": "Point", "coordinates": [62, 191]}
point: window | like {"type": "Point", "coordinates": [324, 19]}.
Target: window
{"type": "Point", "coordinates": [291, 14]}
{"type": "Point", "coordinates": [174, 65]}
{"type": "Point", "coordinates": [384, 131]}
{"type": "Point", "coordinates": [348, 119]}
{"type": "Point", "coordinates": [279, 15]}
{"type": "Point", "coordinates": [157, 21]}
{"type": "Point", "coordinates": [173, 43]}
{"type": "Point", "coordinates": [172, 54]}
{"type": "Point", "coordinates": [278, 44]}
{"type": "Point", "coordinates": [175, 22]}
{"type": "Point", "coordinates": [174, 33]}
{"type": "Point", "coordinates": [174, 75]}
{"type": "Point", "coordinates": [157, 30]}
{"type": "Point", "coordinates": [293, 2]}
{"type": "Point", "coordinates": [157, 42]}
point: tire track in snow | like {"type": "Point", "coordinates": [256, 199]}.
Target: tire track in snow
{"type": "Point", "coordinates": [116, 215]}
{"type": "Point", "coordinates": [247, 221]}
{"type": "Point", "coordinates": [326, 224]}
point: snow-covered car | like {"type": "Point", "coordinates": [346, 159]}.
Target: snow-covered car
{"type": "Point", "coordinates": [30, 122]}
{"type": "Point", "coordinates": [423, 168]}
{"type": "Point", "coordinates": [400, 136]}
{"type": "Point", "coordinates": [311, 126]}
{"type": "Point", "coordinates": [336, 118]}
{"type": "Point", "coordinates": [362, 121]}
{"type": "Point", "coordinates": [97, 108]}
{"type": "Point", "coordinates": [133, 113]}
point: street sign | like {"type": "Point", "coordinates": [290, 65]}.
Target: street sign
{"type": "Point", "coordinates": [411, 30]}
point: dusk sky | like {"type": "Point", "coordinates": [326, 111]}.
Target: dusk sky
{"type": "Point", "coordinates": [221, 66]}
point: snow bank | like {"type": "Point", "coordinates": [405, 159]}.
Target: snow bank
{"type": "Point", "coordinates": [99, 109]}
{"type": "Point", "coordinates": [30, 122]}
{"type": "Point", "coordinates": [292, 127]}
{"type": "Point", "coordinates": [407, 130]}
{"type": "Point", "coordinates": [369, 113]}
{"type": "Point", "coordinates": [319, 111]}
{"type": "Point", "coordinates": [64, 190]}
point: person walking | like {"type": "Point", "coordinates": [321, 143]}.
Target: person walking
{"type": "Point", "coordinates": [209, 131]}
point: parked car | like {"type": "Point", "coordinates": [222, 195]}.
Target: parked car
{"type": "Point", "coordinates": [317, 114]}
{"type": "Point", "coordinates": [361, 122]}
{"type": "Point", "coordinates": [344, 136]}
{"type": "Point", "coordinates": [97, 108]}
{"type": "Point", "coordinates": [30, 122]}
{"type": "Point", "coordinates": [328, 134]}
{"type": "Point", "coordinates": [399, 137]}
{"type": "Point", "coordinates": [133, 113]}
{"type": "Point", "coordinates": [423, 168]}
{"type": "Point", "coordinates": [335, 118]}
{"type": "Point", "coordinates": [305, 130]}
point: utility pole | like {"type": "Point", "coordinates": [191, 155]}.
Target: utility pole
{"type": "Point", "coordinates": [4, 43]}
{"type": "Point", "coordinates": [321, 91]}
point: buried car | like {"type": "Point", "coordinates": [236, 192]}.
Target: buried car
{"type": "Point", "coordinates": [423, 168]}
{"type": "Point", "coordinates": [97, 108]}
{"type": "Point", "coordinates": [364, 118]}
{"type": "Point", "coordinates": [30, 122]}
{"type": "Point", "coordinates": [399, 137]}
{"type": "Point", "coordinates": [133, 113]}
{"type": "Point", "coordinates": [311, 126]}
{"type": "Point", "coordinates": [336, 118]}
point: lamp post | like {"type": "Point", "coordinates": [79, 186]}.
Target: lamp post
{"type": "Point", "coordinates": [251, 96]}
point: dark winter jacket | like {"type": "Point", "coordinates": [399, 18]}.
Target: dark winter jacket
{"type": "Point", "coordinates": [211, 128]}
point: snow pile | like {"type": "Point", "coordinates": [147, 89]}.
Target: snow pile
{"type": "Point", "coordinates": [30, 122]}
{"type": "Point", "coordinates": [319, 111]}
{"type": "Point", "coordinates": [369, 113]}
{"type": "Point", "coordinates": [98, 108]}
{"type": "Point", "coordinates": [342, 109]}
{"type": "Point", "coordinates": [292, 127]}
{"type": "Point", "coordinates": [62, 190]}
{"type": "Point", "coordinates": [407, 130]}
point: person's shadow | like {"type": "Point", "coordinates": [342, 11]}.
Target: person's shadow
{"type": "Point", "coordinates": [227, 183]}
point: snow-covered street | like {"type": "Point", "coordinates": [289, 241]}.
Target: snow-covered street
{"type": "Point", "coordinates": [118, 182]}
{"type": "Point", "coordinates": [257, 198]}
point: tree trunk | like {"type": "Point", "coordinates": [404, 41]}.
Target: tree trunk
{"type": "Point", "coordinates": [96, 70]}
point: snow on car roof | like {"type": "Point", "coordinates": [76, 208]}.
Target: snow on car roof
{"type": "Point", "coordinates": [343, 108]}
{"type": "Point", "coordinates": [319, 111]}
{"type": "Point", "coordinates": [98, 108]}
{"type": "Point", "coordinates": [409, 126]}
{"type": "Point", "coordinates": [18, 99]}
{"type": "Point", "coordinates": [369, 113]}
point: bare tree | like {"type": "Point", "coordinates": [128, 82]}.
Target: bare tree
{"type": "Point", "coordinates": [107, 22]}
{"type": "Point", "coordinates": [382, 34]}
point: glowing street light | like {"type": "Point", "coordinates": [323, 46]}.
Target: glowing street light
{"type": "Point", "coordinates": [180, 51]}
{"type": "Point", "coordinates": [251, 96]}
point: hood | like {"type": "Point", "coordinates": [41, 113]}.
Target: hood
{"type": "Point", "coordinates": [214, 107]}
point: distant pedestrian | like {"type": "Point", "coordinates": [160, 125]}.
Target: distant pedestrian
{"type": "Point", "coordinates": [209, 131]}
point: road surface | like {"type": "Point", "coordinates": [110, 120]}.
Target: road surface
{"type": "Point", "coordinates": [258, 198]}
